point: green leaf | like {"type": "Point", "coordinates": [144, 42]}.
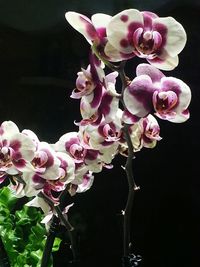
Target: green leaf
{"type": "Point", "coordinates": [56, 244]}
{"type": "Point", "coordinates": [7, 198]}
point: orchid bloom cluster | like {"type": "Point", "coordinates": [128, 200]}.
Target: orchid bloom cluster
{"type": "Point", "coordinates": [34, 166]}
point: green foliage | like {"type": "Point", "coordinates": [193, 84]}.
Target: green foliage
{"type": "Point", "coordinates": [22, 233]}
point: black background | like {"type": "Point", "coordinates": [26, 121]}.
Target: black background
{"type": "Point", "coordinates": [40, 55]}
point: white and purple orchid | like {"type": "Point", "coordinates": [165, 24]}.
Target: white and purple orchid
{"type": "Point", "coordinates": [82, 154]}
{"type": "Point", "coordinates": [151, 91]}
{"type": "Point", "coordinates": [94, 30]}
{"type": "Point", "coordinates": [16, 150]}
{"type": "Point", "coordinates": [145, 35]}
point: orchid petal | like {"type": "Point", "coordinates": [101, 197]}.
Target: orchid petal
{"type": "Point", "coordinates": [8, 129]}
{"type": "Point", "coordinates": [114, 54]}
{"type": "Point", "coordinates": [151, 71]}
{"type": "Point", "coordinates": [164, 63]}
{"type": "Point", "coordinates": [82, 24]}
{"type": "Point", "coordinates": [138, 96]}
{"type": "Point", "coordinates": [100, 22]}
{"type": "Point", "coordinates": [121, 28]}
{"type": "Point", "coordinates": [176, 36]}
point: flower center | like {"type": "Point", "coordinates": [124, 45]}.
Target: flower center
{"type": "Point", "coordinates": [5, 158]}
{"type": "Point", "coordinates": [164, 101]}
{"type": "Point", "coordinates": [77, 151]}
{"type": "Point", "coordinates": [147, 42]}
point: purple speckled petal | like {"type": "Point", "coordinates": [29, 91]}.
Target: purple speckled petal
{"type": "Point", "coordinates": [138, 96]}
{"type": "Point", "coordinates": [82, 24]}
{"type": "Point", "coordinates": [151, 71]}
{"type": "Point", "coordinates": [121, 28]}
{"type": "Point", "coordinates": [24, 144]}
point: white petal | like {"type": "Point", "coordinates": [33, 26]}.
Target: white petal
{"type": "Point", "coordinates": [176, 36]}
{"type": "Point", "coordinates": [168, 63]}
{"type": "Point", "coordinates": [27, 148]}
{"type": "Point", "coordinates": [82, 24]}
{"type": "Point", "coordinates": [9, 129]}
{"type": "Point", "coordinates": [100, 20]}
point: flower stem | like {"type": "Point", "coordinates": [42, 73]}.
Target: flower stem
{"type": "Point", "coordinates": [132, 187]}
{"type": "Point", "coordinates": [53, 228]}
{"type": "Point", "coordinates": [131, 192]}
{"type": "Point", "coordinates": [49, 242]}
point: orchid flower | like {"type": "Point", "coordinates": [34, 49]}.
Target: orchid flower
{"type": "Point", "coordinates": [97, 92]}
{"type": "Point", "coordinates": [82, 184]}
{"type": "Point", "coordinates": [104, 137]}
{"type": "Point", "coordinates": [16, 150]}
{"type": "Point", "coordinates": [103, 101]}
{"type": "Point", "coordinates": [145, 35]}
{"type": "Point", "coordinates": [94, 30]}
{"type": "Point", "coordinates": [144, 133]}
{"type": "Point", "coordinates": [79, 150]}
{"type": "Point", "coordinates": [150, 91]}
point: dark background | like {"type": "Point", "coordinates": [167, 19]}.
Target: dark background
{"type": "Point", "coordinates": [40, 55]}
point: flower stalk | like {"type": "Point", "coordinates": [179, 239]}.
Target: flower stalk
{"type": "Point", "coordinates": [60, 218]}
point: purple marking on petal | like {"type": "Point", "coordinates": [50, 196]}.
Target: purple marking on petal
{"type": "Point", "coordinates": [91, 154]}
{"type": "Point", "coordinates": [100, 130]}
{"type": "Point", "coordinates": [186, 112]}
{"type": "Point", "coordinates": [101, 32]}
{"type": "Point", "coordinates": [127, 56]}
{"type": "Point", "coordinates": [70, 142]}
{"type": "Point", "coordinates": [146, 69]}
{"type": "Point", "coordinates": [124, 18]}
{"type": "Point", "coordinates": [148, 18]}
{"type": "Point", "coordinates": [170, 85]}
{"type": "Point", "coordinates": [97, 96]}
{"type": "Point", "coordinates": [89, 28]}
{"type": "Point", "coordinates": [94, 63]}
{"type": "Point", "coordinates": [15, 145]}
{"type": "Point", "coordinates": [124, 43]}
{"type": "Point", "coordinates": [21, 163]}
{"type": "Point", "coordinates": [4, 142]}
{"type": "Point", "coordinates": [143, 92]}
{"type": "Point", "coordinates": [50, 160]}
{"type": "Point", "coordinates": [63, 163]}
{"type": "Point", "coordinates": [162, 29]}
{"type": "Point", "coordinates": [16, 155]}
{"type": "Point", "coordinates": [137, 36]}
{"type": "Point", "coordinates": [155, 60]}
{"type": "Point", "coordinates": [133, 26]}
{"type": "Point", "coordinates": [129, 118]}
{"type": "Point", "coordinates": [1, 131]}
{"type": "Point", "coordinates": [107, 143]}
{"type": "Point", "coordinates": [105, 104]}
